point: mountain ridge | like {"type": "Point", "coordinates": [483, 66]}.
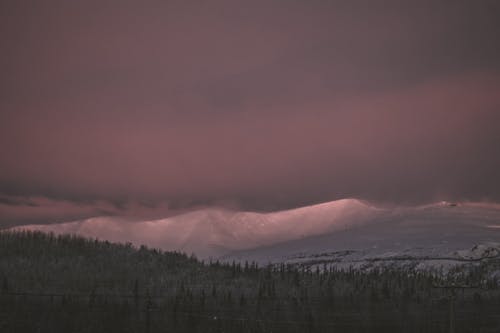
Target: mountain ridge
{"type": "Point", "coordinates": [211, 232]}
{"type": "Point", "coordinates": [346, 224]}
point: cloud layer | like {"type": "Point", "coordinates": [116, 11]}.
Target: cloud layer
{"type": "Point", "coordinates": [262, 105]}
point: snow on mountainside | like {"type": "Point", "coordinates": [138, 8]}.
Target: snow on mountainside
{"type": "Point", "coordinates": [214, 232]}
{"type": "Point", "coordinates": [433, 237]}
{"type": "Point", "coordinates": [344, 233]}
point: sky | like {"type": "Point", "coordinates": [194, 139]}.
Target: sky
{"type": "Point", "coordinates": [148, 108]}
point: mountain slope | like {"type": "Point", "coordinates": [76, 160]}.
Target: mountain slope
{"type": "Point", "coordinates": [214, 232]}
{"type": "Point", "coordinates": [344, 233]}
{"type": "Point", "coordinates": [428, 237]}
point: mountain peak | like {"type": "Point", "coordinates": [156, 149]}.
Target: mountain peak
{"type": "Point", "coordinates": [214, 231]}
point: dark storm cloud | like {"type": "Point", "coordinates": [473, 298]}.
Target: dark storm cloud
{"type": "Point", "coordinates": [264, 105]}
{"type": "Point", "coordinates": [15, 210]}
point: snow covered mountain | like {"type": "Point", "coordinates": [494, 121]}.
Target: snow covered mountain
{"type": "Point", "coordinates": [343, 233]}
{"type": "Point", "coordinates": [436, 237]}
{"type": "Point", "coordinates": [214, 232]}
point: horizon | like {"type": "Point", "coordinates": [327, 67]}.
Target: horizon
{"type": "Point", "coordinates": [49, 211]}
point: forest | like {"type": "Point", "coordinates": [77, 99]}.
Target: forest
{"type": "Point", "coordinates": [67, 284]}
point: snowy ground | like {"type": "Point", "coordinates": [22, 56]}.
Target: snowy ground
{"type": "Point", "coordinates": [434, 238]}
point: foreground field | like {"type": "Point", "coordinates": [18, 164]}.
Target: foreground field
{"type": "Point", "coordinates": [71, 284]}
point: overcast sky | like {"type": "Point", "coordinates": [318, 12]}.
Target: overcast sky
{"type": "Point", "coordinates": [142, 108]}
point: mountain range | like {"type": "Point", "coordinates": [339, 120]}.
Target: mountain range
{"type": "Point", "coordinates": [347, 232]}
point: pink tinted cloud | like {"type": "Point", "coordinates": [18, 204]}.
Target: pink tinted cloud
{"type": "Point", "coordinates": [27, 210]}
{"type": "Point", "coordinates": [260, 104]}
{"type": "Point", "coordinates": [16, 210]}
{"type": "Point", "coordinates": [412, 132]}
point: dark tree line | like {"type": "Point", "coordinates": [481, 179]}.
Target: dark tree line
{"type": "Point", "coordinates": [72, 284]}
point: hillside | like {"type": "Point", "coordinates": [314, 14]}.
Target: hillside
{"type": "Point", "coordinates": [344, 233]}
{"type": "Point", "coordinates": [214, 232]}
{"type": "Point", "coordinates": [71, 284]}
{"type": "Point", "coordinates": [435, 238]}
